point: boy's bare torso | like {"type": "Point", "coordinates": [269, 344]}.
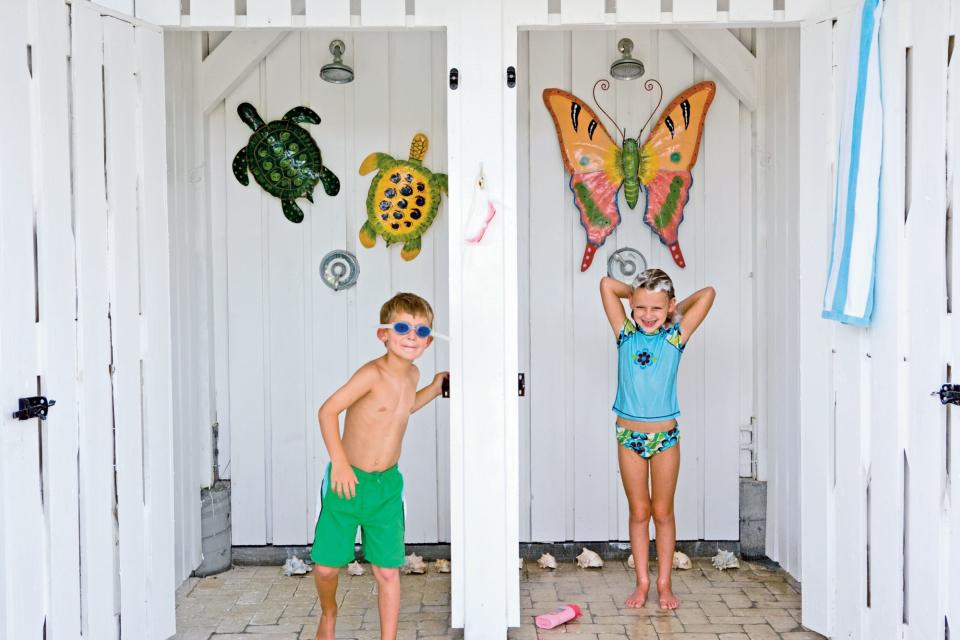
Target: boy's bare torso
{"type": "Point", "coordinates": [375, 424]}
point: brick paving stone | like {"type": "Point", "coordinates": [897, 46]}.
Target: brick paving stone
{"type": "Point", "coordinates": [750, 603]}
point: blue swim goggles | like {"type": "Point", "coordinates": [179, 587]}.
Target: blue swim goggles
{"type": "Point", "coordinates": [403, 328]}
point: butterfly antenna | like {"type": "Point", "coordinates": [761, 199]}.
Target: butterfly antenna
{"type": "Point", "coordinates": [605, 85]}
{"type": "Point", "coordinates": [648, 85]}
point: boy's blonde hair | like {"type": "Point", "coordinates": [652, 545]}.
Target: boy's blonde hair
{"type": "Point", "coordinates": [406, 303]}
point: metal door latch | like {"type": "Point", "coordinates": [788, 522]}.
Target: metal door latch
{"type": "Point", "coordinates": [949, 394]}
{"type": "Point", "coordinates": [454, 78]}
{"type": "Point", "coordinates": [521, 384]}
{"type": "Point", "coordinates": [445, 387]}
{"type": "Point", "coordinates": [511, 77]}
{"type": "Point", "coordinates": [35, 407]}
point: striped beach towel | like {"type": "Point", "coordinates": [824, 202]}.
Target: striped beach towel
{"type": "Point", "coordinates": [850, 280]}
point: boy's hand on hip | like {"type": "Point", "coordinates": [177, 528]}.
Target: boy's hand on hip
{"type": "Point", "coordinates": [344, 481]}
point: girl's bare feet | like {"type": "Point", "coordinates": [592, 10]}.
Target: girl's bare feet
{"type": "Point", "coordinates": [638, 598]}
{"type": "Point", "coordinates": [327, 627]}
{"type": "Point", "coordinates": [667, 599]}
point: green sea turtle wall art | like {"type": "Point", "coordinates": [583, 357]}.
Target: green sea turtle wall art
{"type": "Point", "coordinates": [283, 158]}
{"type": "Point", "coordinates": [403, 198]}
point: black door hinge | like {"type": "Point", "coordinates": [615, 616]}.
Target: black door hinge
{"type": "Point", "coordinates": [522, 384]}
{"type": "Point", "coordinates": [35, 407]}
{"type": "Point", "coordinates": [949, 394]}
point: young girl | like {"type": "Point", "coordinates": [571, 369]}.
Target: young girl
{"type": "Point", "coordinates": [649, 346]}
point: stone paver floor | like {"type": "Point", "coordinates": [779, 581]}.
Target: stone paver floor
{"type": "Point", "coordinates": [750, 603]}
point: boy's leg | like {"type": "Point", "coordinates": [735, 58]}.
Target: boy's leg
{"type": "Point", "coordinates": [633, 472]}
{"type": "Point", "coordinates": [664, 469]}
{"type": "Point", "coordinates": [388, 600]}
{"type": "Point", "coordinates": [326, 580]}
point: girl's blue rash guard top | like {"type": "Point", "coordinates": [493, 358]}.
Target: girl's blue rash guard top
{"type": "Point", "coordinates": [647, 373]}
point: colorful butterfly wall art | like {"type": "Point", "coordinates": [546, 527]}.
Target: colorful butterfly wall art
{"type": "Point", "coordinates": [598, 166]}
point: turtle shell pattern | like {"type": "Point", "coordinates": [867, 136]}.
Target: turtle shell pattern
{"type": "Point", "coordinates": [403, 200]}
{"type": "Point", "coordinates": [284, 159]}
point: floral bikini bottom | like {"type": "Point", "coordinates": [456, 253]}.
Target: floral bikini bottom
{"type": "Point", "coordinates": [646, 444]}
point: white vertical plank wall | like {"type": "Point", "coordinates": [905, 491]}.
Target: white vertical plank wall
{"type": "Point", "coordinates": [574, 486]}
{"type": "Point", "coordinates": [292, 340]}
{"type": "Point", "coordinates": [84, 275]}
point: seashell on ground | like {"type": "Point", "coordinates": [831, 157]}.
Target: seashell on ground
{"type": "Point", "coordinates": [631, 563]}
{"type": "Point", "coordinates": [413, 564]}
{"type": "Point", "coordinates": [355, 569]}
{"type": "Point", "coordinates": [725, 560]}
{"type": "Point", "coordinates": [441, 566]}
{"type": "Point", "coordinates": [589, 559]}
{"type": "Point", "coordinates": [295, 567]}
{"type": "Point", "coordinates": [547, 561]}
{"type": "Point", "coordinates": [681, 560]}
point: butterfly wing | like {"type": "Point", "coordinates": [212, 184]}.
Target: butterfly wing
{"type": "Point", "coordinates": [592, 159]}
{"type": "Point", "coordinates": [666, 159]}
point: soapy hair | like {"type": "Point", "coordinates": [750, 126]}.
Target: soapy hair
{"type": "Point", "coordinates": [657, 280]}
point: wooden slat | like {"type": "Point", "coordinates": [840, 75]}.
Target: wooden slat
{"type": "Point", "coordinates": [120, 91]}
{"type": "Point", "coordinates": [887, 348]}
{"type": "Point", "coordinates": [157, 371]}
{"type": "Point", "coordinates": [22, 528]}
{"type": "Point", "coordinates": [550, 257]}
{"type": "Point", "coordinates": [125, 7]}
{"type": "Point", "coordinates": [332, 225]}
{"type": "Point", "coordinates": [694, 10]}
{"type": "Point", "coordinates": [214, 13]}
{"type": "Point", "coordinates": [810, 10]}
{"type": "Point", "coordinates": [327, 13]}
{"type": "Point", "coordinates": [412, 51]}
{"type": "Point", "coordinates": [164, 13]}
{"type": "Point", "coordinates": [246, 308]}
{"type": "Point", "coordinates": [268, 13]}
{"type": "Point", "coordinates": [219, 175]}
{"type": "Point", "coordinates": [719, 335]}
{"type": "Point", "coordinates": [57, 289]}
{"type": "Point", "coordinates": [592, 343]}
{"type": "Point", "coordinates": [926, 356]}
{"type": "Point", "coordinates": [284, 328]}
{"type": "Point", "coordinates": [953, 326]}
{"type": "Point", "coordinates": [93, 329]}
{"type": "Point", "coordinates": [638, 11]}
{"type": "Point", "coordinates": [232, 61]}
{"type": "Point", "coordinates": [582, 11]}
{"type": "Point", "coordinates": [751, 10]}
{"type": "Point", "coordinates": [383, 13]}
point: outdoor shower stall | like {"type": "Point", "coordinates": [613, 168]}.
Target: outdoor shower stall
{"type": "Point", "coordinates": [183, 326]}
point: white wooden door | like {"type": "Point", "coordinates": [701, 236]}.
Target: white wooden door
{"type": "Point", "coordinates": [86, 539]}
{"type": "Point", "coordinates": [570, 483]}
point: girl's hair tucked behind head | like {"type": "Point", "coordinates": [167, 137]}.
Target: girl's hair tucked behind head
{"type": "Point", "coordinates": [657, 280]}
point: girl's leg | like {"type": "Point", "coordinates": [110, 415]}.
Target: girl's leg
{"type": "Point", "coordinates": [634, 473]}
{"type": "Point", "coordinates": [664, 469]}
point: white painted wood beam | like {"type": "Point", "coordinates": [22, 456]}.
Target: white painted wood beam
{"type": "Point", "coordinates": [726, 56]}
{"type": "Point", "coordinates": [229, 63]}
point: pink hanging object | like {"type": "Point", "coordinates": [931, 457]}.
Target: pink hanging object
{"type": "Point", "coordinates": [481, 212]}
{"type": "Point", "coordinates": [556, 618]}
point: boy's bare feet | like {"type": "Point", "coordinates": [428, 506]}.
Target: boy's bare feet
{"type": "Point", "coordinates": [327, 627]}
{"type": "Point", "coordinates": [638, 598]}
{"type": "Point", "coordinates": [667, 599]}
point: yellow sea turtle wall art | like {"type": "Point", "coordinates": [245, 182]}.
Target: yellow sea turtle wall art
{"type": "Point", "coordinates": [403, 199]}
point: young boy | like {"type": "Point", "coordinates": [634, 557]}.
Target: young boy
{"type": "Point", "coordinates": [362, 486]}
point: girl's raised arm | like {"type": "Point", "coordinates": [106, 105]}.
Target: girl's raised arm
{"type": "Point", "coordinates": [611, 291]}
{"type": "Point", "coordinates": [694, 309]}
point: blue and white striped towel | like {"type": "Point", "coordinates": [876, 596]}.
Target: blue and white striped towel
{"type": "Point", "coordinates": [850, 280]}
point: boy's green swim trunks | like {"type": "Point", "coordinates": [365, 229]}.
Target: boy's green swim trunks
{"type": "Point", "coordinates": [377, 508]}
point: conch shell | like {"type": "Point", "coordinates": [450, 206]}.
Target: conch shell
{"type": "Point", "coordinates": [355, 569]}
{"type": "Point", "coordinates": [414, 564]}
{"type": "Point", "coordinates": [441, 566]}
{"type": "Point", "coordinates": [589, 559]}
{"type": "Point", "coordinates": [681, 560]}
{"type": "Point", "coordinates": [725, 560]}
{"type": "Point", "coordinates": [547, 561]}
